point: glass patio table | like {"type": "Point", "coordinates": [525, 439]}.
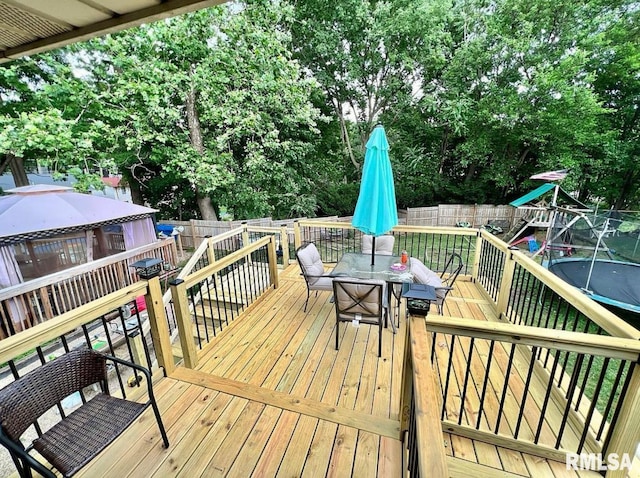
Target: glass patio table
{"type": "Point", "coordinates": [358, 265]}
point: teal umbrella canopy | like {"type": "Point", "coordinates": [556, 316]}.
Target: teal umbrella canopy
{"type": "Point", "coordinates": [376, 211]}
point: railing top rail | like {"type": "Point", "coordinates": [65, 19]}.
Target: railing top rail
{"type": "Point", "coordinates": [601, 345]}
{"type": "Point", "coordinates": [18, 289]}
{"type": "Point", "coordinates": [226, 235]}
{"type": "Point", "coordinates": [39, 334]}
{"type": "Point", "coordinates": [267, 229]}
{"type": "Point", "coordinates": [318, 223]}
{"type": "Point", "coordinates": [432, 459]}
{"type": "Point", "coordinates": [458, 231]}
{"type": "Point", "coordinates": [193, 260]}
{"type": "Point", "coordinates": [461, 231]}
{"type": "Point", "coordinates": [207, 271]}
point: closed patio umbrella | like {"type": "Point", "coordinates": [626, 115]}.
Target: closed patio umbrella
{"type": "Point", "coordinates": [376, 211]}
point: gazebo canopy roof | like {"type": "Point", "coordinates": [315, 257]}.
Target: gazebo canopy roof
{"type": "Point", "coordinates": [39, 211]}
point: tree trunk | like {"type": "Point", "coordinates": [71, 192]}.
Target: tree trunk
{"type": "Point", "coordinates": [16, 165]}
{"type": "Point", "coordinates": [345, 135]}
{"type": "Point", "coordinates": [207, 211]}
{"type": "Point", "coordinates": [134, 187]}
{"type": "Point", "coordinates": [627, 188]}
{"type": "Point", "coordinates": [206, 208]}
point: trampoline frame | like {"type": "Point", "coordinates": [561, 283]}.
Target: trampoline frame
{"type": "Point", "coordinates": [597, 297]}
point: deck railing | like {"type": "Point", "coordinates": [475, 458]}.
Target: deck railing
{"type": "Point", "coordinates": [585, 368]}
{"type": "Point", "coordinates": [432, 245]}
{"type": "Point", "coordinates": [588, 390]}
{"type": "Point", "coordinates": [496, 387]}
{"type": "Point", "coordinates": [24, 305]}
{"type": "Point", "coordinates": [207, 300]}
{"type": "Point", "coordinates": [598, 391]}
{"type": "Point", "coordinates": [95, 325]}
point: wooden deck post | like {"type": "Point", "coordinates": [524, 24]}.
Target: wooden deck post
{"type": "Point", "coordinates": [297, 239]}
{"type": "Point", "coordinates": [183, 319]}
{"type": "Point", "coordinates": [273, 261]}
{"type": "Point", "coordinates": [158, 324]}
{"type": "Point", "coordinates": [505, 285]}
{"type": "Point", "coordinates": [284, 243]}
{"type": "Point", "coordinates": [211, 253]}
{"type": "Point", "coordinates": [246, 240]}
{"type": "Point", "coordinates": [245, 235]}
{"type": "Point", "coordinates": [406, 389]}
{"type": "Point", "coordinates": [624, 436]}
{"type": "Point", "coordinates": [476, 259]}
{"type": "Point", "coordinates": [137, 348]}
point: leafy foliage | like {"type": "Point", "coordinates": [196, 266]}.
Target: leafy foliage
{"type": "Point", "coordinates": [264, 108]}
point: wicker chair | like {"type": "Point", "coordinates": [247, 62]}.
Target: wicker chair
{"type": "Point", "coordinates": [80, 436]}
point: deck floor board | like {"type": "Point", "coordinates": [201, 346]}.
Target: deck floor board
{"type": "Point", "coordinates": [271, 396]}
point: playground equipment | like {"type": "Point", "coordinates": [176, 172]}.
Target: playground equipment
{"type": "Point", "coordinates": [597, 253]}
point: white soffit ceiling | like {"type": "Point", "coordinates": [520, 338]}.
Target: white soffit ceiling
{"type": "Point", "coordinates": [33, 26]}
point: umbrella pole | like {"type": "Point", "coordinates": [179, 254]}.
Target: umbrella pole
{"type": "Point", "coordinates": [373, 251]}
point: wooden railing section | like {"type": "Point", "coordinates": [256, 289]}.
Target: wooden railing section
{"type": "Point", "coordinates": [432, 245]}
{"type": "Point", "coordinates": [211, 297]}
{"type": "Point", "coordinates": [500, 392]}
{"type": "Point", "coordinates": [570, 369]}
{"type": "Point", "coordinates": [420, 407]}
{"type": "Point", "coordinates": [25, 305]}
{"type": "Point", "coordinates": [91, 325]}
{"type": "Point", "coordinates": [524, 293]}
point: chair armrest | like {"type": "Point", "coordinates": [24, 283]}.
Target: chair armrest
{"type": "Point", "coordinates": [22, 453]}
{"type": "Point", "coordinates": [135, 366]}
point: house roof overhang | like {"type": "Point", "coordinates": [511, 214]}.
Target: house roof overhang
{"type": "Point", "coordinates": [28, 27]}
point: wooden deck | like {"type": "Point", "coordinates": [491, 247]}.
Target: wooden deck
{"type": "Point", "coordinates": [272, 397]}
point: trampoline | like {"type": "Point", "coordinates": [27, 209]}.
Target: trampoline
{"type": "Point", "coordinates": [612, 282]}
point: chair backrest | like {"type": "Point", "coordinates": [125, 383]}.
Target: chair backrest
{"type": "Point", "coordinates": [22, 402]}
{"type": "Point", "coordinates": [384, 244]}
{"type": "Point", "coordinates": [452, 269]}
{"type": "Point", "coordinates": [362, 297]}
{"type": "Point", "coordinates": [310, 262]}
{"type": "Point", "coordinates": [423, 275]}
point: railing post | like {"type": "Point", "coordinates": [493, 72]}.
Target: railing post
{"type": "Point", "coordinates": [137, 348]}
{"type": "Point", "coordinates": [476, 259]}
{"type": "Point", "coordinates": [211, 254]}
{"type": "Point", "coordinates": [284, 243]}
{"type": "Point", "coordinates": [183, 319]}
{"type": "Point", "coordinates": [406, 388]}
{"type": "Point", "coordinates": [246, 240]}
{"type": "Point", "coordinates": [505, 285]}
{"type": "Point", "coordinates": [158, 325]}
{"type": "Point", "coordinates": [624, 435]}
{"type": "Point", "coordinates": [245, 235]}
{"type": "Point", "coordinates": [273, 261]}
{"type": "Point", "coordinates": [297, 239]}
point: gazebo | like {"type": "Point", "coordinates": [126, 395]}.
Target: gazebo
{"type": "Point", "coordinates": [46, 229]}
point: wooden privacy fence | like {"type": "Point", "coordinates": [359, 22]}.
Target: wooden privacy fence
{"type": "Point", "coordinates": [195, 231]}
{"type": "Point", "coordinates": [475, 215]}
{"type": "Point", "coordinates": [445, 215]}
